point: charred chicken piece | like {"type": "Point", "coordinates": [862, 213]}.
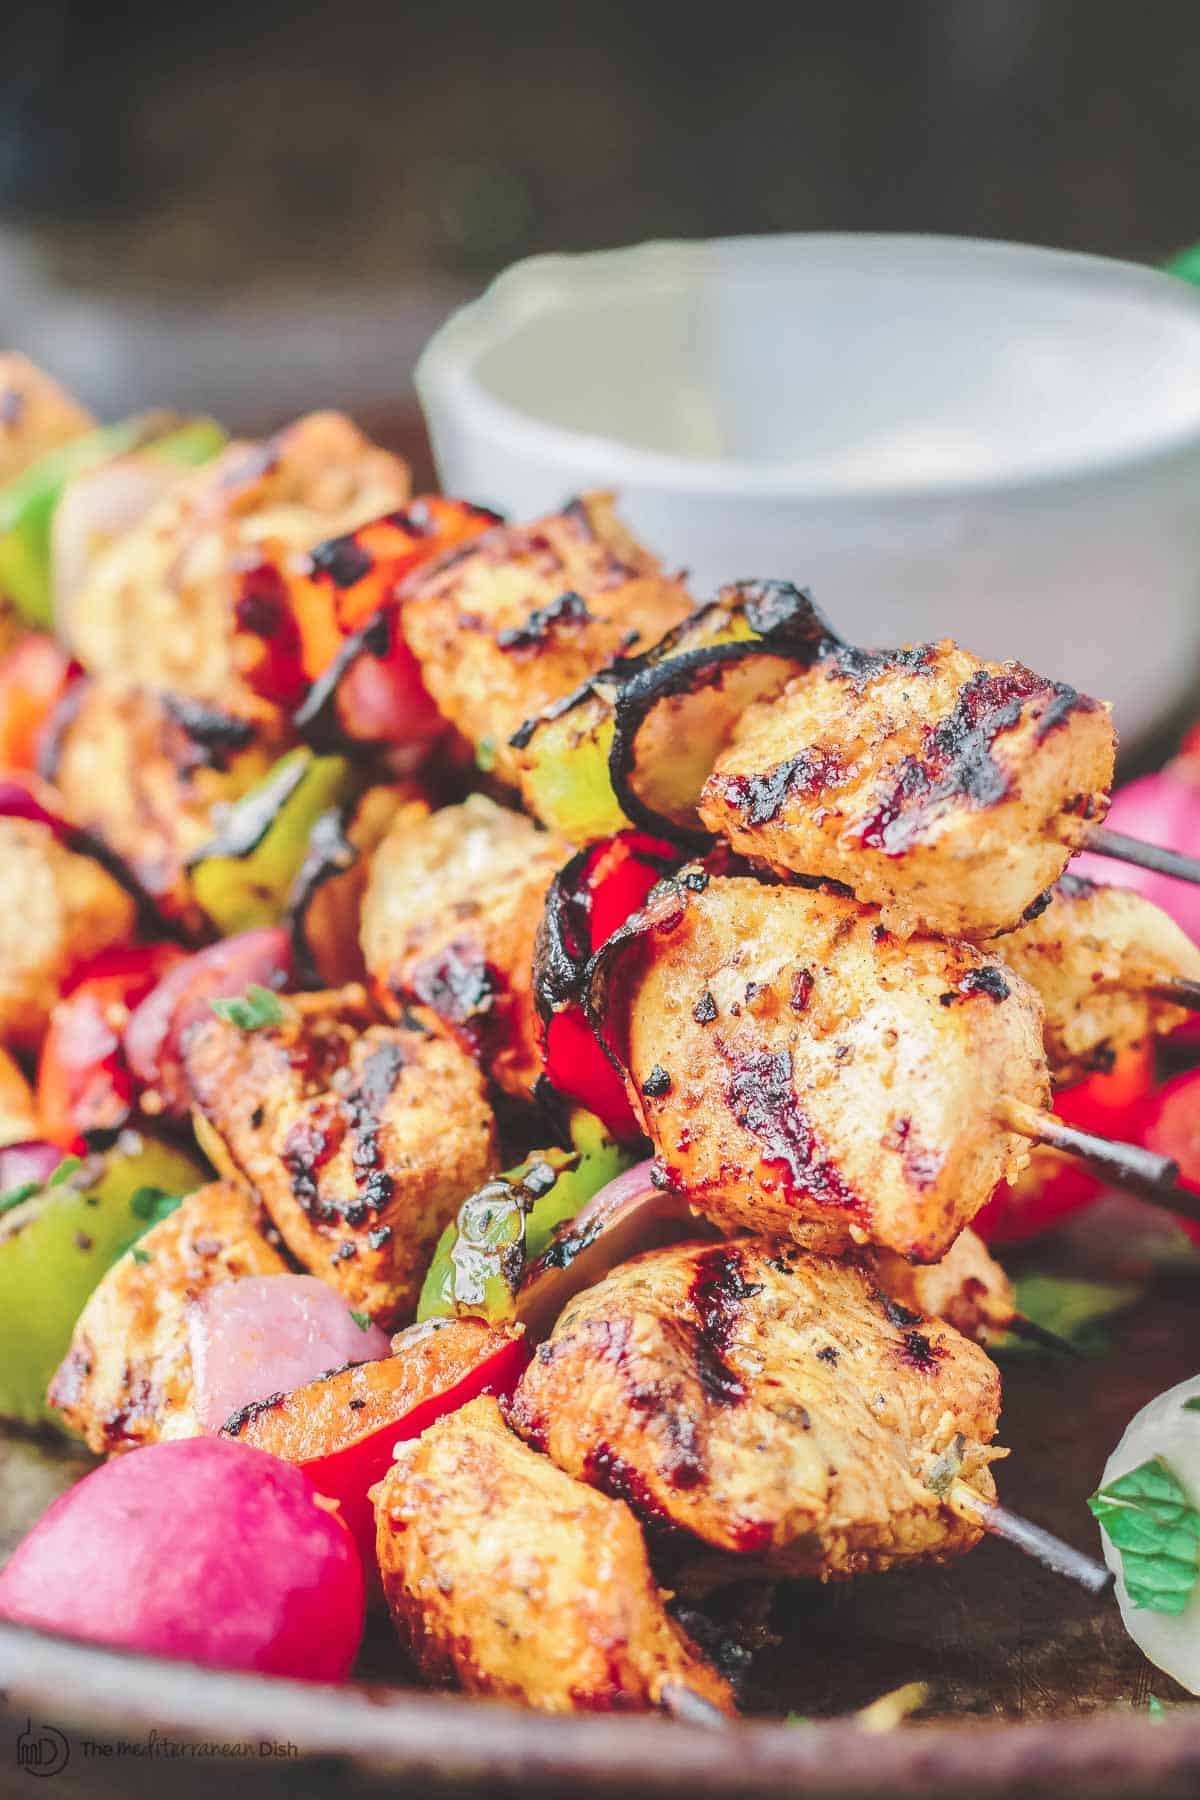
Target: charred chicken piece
{"type": "Point", "coordinates": [145, 772]}
{"type": "Point", "coordinates": [798, 1066]}
{"type": "Point", "coordinates": [506, 1577]}
{"type": "Point", "coordinates": [451, 912]}
{"type": "Point", "coordinates": [362, 1139]}
{"type": "Point", "coordinates": [1100, 957]}
{"type": "Point", "coordinates": [160, 607]}
{"type": "Point", "coordinates": [36, 414]}
{"type": "Point", "coordinates": [525, 613]}
{"type": "Point", "coordinates": [127, 1378]}
{"type": "Point", "coordinates": [948, 791]}
{"type": "Point", "coordinates": [770, 1402]}
{"type": "Point", "coordinates": [60, 908]}
{"type": "Point", "coordinates": [967, 1288]}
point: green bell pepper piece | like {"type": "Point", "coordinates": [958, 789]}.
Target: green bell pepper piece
{"type": "Point", "coordinates": [481, 1255]}
{"type": "Point", "coordinates": [56, 1245]}
{"type": "Point", "coordinates": [27, 505]}
{"type": "Point", "coordinates": [244, 877]}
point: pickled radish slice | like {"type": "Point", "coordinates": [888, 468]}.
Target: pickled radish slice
{"type": "Point", "coordinates": [1168, 1428]}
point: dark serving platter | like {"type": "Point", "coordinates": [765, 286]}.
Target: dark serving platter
{"type": "Point", "coordinates": [1034, 1687]}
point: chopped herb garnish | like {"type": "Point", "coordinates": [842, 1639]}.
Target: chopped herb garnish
{"type": "Point", "coordinates": [153, 1204]}
{"type": "Point", "coordinates": [1192, 1405]}
{"type": "Point", "coordinates": [258, 1006]}
{"type": "Point", "coordinates": [66, 1168]}
{"type": "Point", "coordinates": [16, 1196]}
{"type": "Point", "coordinates": [485, 755]}
{"type": "Point", "coordinates": [362, 1320]}
{"type": "Point", "coordinates": [1155, 1708]}
{"type": "Point", "coordinates": [947, 1468]}
{"type": "Point", "coordinates": [1147, 1515]}
{"type": "Point", "coordinates": [140, 1256]}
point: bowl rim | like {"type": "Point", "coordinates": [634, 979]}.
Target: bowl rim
{"type": "Point", "coordinates": [444, 1742]}
{"type": "Point", "coordinates": [447, 383]}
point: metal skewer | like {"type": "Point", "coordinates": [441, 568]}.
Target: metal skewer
{"type": "Point", "coordinates": [1143, 1172]}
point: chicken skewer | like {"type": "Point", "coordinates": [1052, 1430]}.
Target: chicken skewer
{"type": "Point", "coordinates": [875, 1090]}
{"type": "Point", "coordinates": [778, 1407]}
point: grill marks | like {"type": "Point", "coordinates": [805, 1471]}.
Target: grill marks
{"type": "Point", "coordinates": [465, 990]}
{"type": "Point", "coordinates": [761, 1096]}
{"type": "Point", "coordinates": [567, 609]}
{"type": "Point", "coordinates": [315, 1140]}
{"type": "Point", "coordinates": [719, 1291]}
{"type": "Point", "coordinates": [760, 798]}
{"type": "Point", "coordinates": [955, 761]}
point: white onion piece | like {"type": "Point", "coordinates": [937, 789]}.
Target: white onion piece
{"type": "Point", "coordinates": [268, 1334]}
{"type": "Point", "coordinates": [1164, 1429]}
{"type": "Point", "coordinates": [626, 1216]}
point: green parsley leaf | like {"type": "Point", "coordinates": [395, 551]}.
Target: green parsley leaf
{"type": "Point", "coordinates": [362, 1320]}
{"type": "Point", "coordinates": [140, 1256]}
{"type": "Point", "coordinates": [1148, 1517]}
{"type": "Point", "coordinates": [946, 1469]}
{"type": "Point", "coordinates": [66, 1168]}
{"type": "Point", "coordinates": [485, 755]}
{"type": "Point", "coordinates": [153, 1204]}
{"type": "Point", "coordinates": [258, 1006]}
{"type": "Point", "coordinates": [1074, 1310]}
{"type": "Point", "coordinates": [1192, 1405]}
{"type": "Point", "coordinates": [1155, 1708]}
{"type": "Point", "coordinates": [15, 1196]}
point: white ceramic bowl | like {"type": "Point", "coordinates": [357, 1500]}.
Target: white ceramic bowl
{"type": "Point", "coordinates": [937, 435]}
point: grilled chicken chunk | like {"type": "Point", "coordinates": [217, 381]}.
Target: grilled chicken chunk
{"type": "Point", "coordinates": [525, 613]}
{"type": "Point", "coordinates": [451, 911]}
{"type": "Point", "coordinates": [948, 791]}
{"type": "Point", "coordinates": [773, 1403]}
{"type": "Point", "coordinates": [36, 414]}
{"type": "Point", "coordinates": [145, 771]}
{"type": "Point", "coordinates": [799, 1066]}
{"type": "Point", "coordinates": [506, 1577]}
{"type": "Point", "coordinates": [1099, 957]}
{"type": "Point", "coordinates": [160, 606]}
{"type": "Point", "coordinates": [127, 1378]}
{"type": "Point", "coordinates": [967, 1288]}
{"type": "Point", "coordinates": [362, 1139]}
{"type": "Point", "coordinates": [60, 908]}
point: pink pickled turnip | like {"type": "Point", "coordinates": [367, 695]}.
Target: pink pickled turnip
{"type": "Point", "coordinates": [203, 1550]}
{"type": "Point", "coordinates": [267, 1334]}
{"type": "Point", "coordinates": [1163, 809]}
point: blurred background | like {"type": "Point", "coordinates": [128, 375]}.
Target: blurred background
{"type": "Point", "coordinates": [252, 210]}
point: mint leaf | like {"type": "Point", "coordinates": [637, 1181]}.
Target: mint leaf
{"type": "Point", "coordinates": [15, 1196]}
{"type": "Point", "coordinates": [1148, 1517]}
{"type": "Point", "coordinates": [1192, 1405]}
{"type": "Point", "coordinates": [154, 1204]}
{"type": "Point", "coordinates": [258, 1006]}
{"type": "Point", "coordinates": [1074, 1310]}
{"type": "Point", "coordinates": [362, 1320]}
{"type": "Point", "coordinates": [140, 1256]}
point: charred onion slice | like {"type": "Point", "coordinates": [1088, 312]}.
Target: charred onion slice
{"type": "Point", "coordinates": [579, 762]}
{"type": "Point", "coordinates": [244, 876]}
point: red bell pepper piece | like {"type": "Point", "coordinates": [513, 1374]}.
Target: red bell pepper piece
{"type": "Point", "coordinates": [1171, 1125]}
{"type": "Point", "coordinates": [1110, 1105]}
{"type": "Point", "coordinates": [613, 882]}
{"type": "Point", "coordinates": [34, 677]}
{"type": "Point", "coordinates": [341, 1428]}
{"type": "Point", "coordinates": [84, 1083]}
